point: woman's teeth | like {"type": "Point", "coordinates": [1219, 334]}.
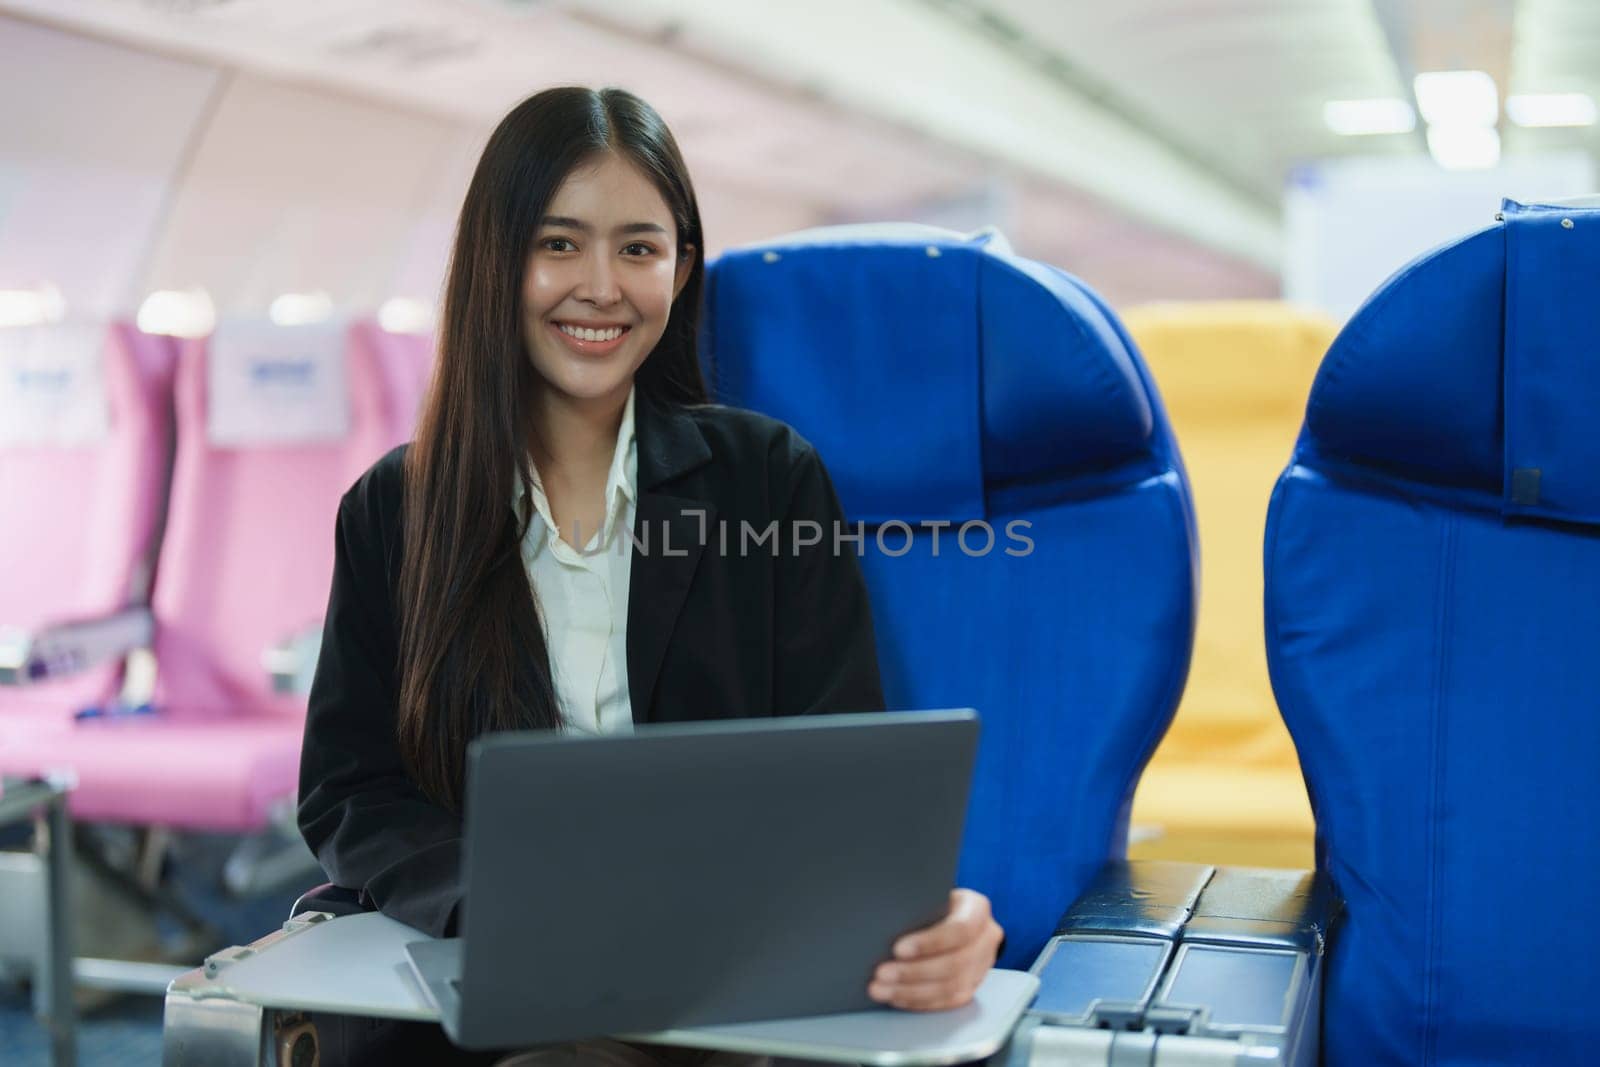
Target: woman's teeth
{"type": "Point", "coordinates": [610, 333]}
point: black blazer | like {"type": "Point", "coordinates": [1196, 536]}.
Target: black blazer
{"type": "Point", "coordinates": [711, 634]}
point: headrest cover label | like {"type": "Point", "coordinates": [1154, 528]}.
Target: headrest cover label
{"type": "Point", "coordinates": [276, 385]}
{"type": "Point", "coordinates": [52, 386]}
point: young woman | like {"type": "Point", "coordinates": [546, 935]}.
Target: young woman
{"type": "Point", "coordinates": [484, 575]}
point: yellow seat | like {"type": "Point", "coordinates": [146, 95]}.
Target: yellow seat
{"type": "Point", "coordinates": [1225, 784]}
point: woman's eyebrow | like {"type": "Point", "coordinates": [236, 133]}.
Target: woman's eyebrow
{"type": "Point", "coordinates": [566, 222]}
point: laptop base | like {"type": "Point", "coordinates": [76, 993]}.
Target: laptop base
{"type": "Point", "coordinates": [884, 1036]}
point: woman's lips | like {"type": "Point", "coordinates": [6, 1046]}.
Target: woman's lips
{"type": "Point", "coordinates": [589, 348]}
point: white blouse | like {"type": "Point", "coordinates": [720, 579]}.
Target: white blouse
{"type": "Point", "coordinates": [583, 596]}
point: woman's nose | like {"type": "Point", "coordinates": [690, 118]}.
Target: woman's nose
{"type": "Point", "coordinates": [598, 283]}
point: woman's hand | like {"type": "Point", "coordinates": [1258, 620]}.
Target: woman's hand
{"type": "Point", "coordinates": [939, 967]}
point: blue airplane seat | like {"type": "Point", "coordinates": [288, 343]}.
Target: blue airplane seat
{"type": "Point", "coordinates": [1433, 619]}
{"type": "Point", "coordinates": [1028, 531]}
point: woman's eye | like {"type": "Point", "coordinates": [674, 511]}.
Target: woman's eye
{"type": "Point", "coordinates": [638, 248]}
{"type": "Point", "coordinates": [558, 244]}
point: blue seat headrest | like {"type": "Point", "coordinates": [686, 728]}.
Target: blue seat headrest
{"type": "Point", "coordinates": [926, 366]}
{"type": "Point", "coordinates": [1472, 369]}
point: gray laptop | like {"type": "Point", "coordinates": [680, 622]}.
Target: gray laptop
{"type": "Point", "coordinates": [695, 874]}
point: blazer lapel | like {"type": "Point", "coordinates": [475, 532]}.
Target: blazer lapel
{"type": "Point", "coordinates": [670, 531]}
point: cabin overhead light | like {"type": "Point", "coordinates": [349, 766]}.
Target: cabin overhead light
{"type": "Point", "coordinates": [32, 307]}
{"type": "Point", "coordinates": [187, 313]}
{"type": "Point", "coordinates": [1464, 147]}
{"type": "Point", "coordinates": [1458, 98]}
{"type": "Point", "coordinates": [404, 315]}
{"type": "Point", "coordinates": [300, 309]}
{"type": "Point", "coordinates": [1356, 118]}
{"type": "Point", "coordinates": [1551, 109]}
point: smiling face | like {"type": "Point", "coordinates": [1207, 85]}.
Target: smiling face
{"type": "Point", "coordinates": [600, 281]}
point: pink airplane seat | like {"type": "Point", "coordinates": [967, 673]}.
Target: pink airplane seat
{"type": "Point", "coordinates": [273, 424]}
{"type": "Point", "coordinates": [85, 453]}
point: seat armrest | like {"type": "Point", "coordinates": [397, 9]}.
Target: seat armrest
{"type": "Point", "coordinates": [1188, 960]}
{"type": "Point", "coordinates": [330, 898]}
{"type": "Point", "coordinates": [1265, 907]}
{"type": "Point", "coordinates": [66, 648]}
{"type": "Point", "coordinates": [1249, 963]}
{"type": "Point", "coordinates": [1111, 948]}
{"type": "Point", "coordinates": [292, 661]}
{"type": "Point", "coordinates": [1148, 897]}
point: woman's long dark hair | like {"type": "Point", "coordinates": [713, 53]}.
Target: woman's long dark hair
{"type": "Point", "coordinates": [473, 657]}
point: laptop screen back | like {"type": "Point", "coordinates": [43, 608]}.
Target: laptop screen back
{"type": "Point", "coordinates": [705, 873]}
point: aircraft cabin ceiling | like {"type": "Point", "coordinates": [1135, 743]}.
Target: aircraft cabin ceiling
{"type": "Point", "coordinates": [1164, 126]}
